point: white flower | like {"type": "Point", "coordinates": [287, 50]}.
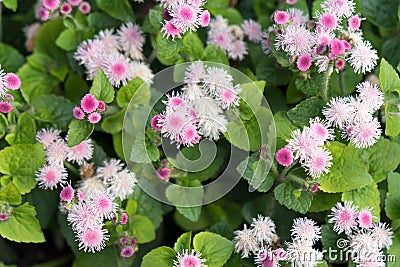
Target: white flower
{"type": "Point", "coordinates": [122, 184]}
{"type": "Point", "coordinates": [245, 242]}
{"type": "Point", "coordinates": [263, 229]}
{"type": "Point", "coordinates": [362, 57]}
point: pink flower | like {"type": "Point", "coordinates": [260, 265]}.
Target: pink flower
{"type": "Point", "coordinates": [304, 62]}
{"type": "Point", "coordinates": [166, 14]}
{"type": "Point", "coordinates": [132, 39]}
{"type": "Point", "coordinates": [164, 173]}
{"type": "Point", "coordinates": [354, 23]}
{"type": "Point", "coordinates": [9, 97]}
{"type": "Point", "coordinates": [89, 103]}
{"type": "Point", "coordinates": [252, 30]}
{"type": "Point", "coordinates": [118, 69]}
{"type": "Point", "coordinates": [93, 239]}
{"type": "Point", "coordinates": [237, 50]}
{"type": "Point", "coordinates": [51, 4]}
{"type": "Point", "coordinates": [67, 194]}
{"type": "Point", "coordinates": [371, 95]}
{"type": "Point", "coordinates": [185, 259]}
{"type": "Point", "coordinates": [328, 21]}
{"type": "Point", "coordinates": [78, 113]}
{"type": "Point", "coordinates": [318, 162]}
{"type": "Point", "coordinates": [81, 152]}
{"type": "Point", "coordinates": [56, 152]}
{"type": "Point", "coordinates": [5, 107]}
{"type": "Point", "coordinates": [320, 130]}
{"type": "Point", "coordinates": [305, 230]}
{"type": "Point", "coordinates": [346, 45]}
{"type": "Point", "coordinates": [204, 18]}
{"type": "Point", "coordinates": [340, 63]}
{"type": "Point", "coordinates": [266, 258]}
{"type": "Point", "coordinates": [47, 136]}
{"type": "Point", "coordinates": [338, 112]}
{"type": "Point", "coordinates": [84, 8]}
{"type": "Point", "coordinates": [123, 240]}
{"type": "Point", "coordinates": [82, 217]}
{"type": "Point", "coordinates": [174, 101]}
{"type": "Point", "coordinates": [50, 176]}
{"type": "Point", "coordinates": [362, 57]}
{"type": "Point", "coordinates": [3, 216]}
{"type": "Point", "coordinates": [314, 188]}
{"type": "Point", "coordinates": [280, 254]}
{"type": "Point", "coordinates": [365, 218]}
{"type": "Point", "coordinates": [101, 106]}
{"type": "Point", "coordinates": [344, 217]}
{"type": "Point", "coordinates": [155, 121]}
{"type": "Point", "coordinates": [12, 81]}
{"type": "Point", "coordinates": [43, 13]}
{"type": "Point", "coordinates": [185, 16]}
{"type": "Point", "coordinates": [365, 134]}
{"type": "Point", "coordinates": [291, 2]}
{"type": "Point", "coordinates": [66, 8]}
{"type": "Point", "coordinates": [170, 30]}
{"type": "Point", "coordinates": [337, 47]}
{"type": "Point", "coordinates": [80, 195]}
{"type": "Point", "coordinates": [94, 117]}
{"type": "Point", "coordinates": [281, 17]}
{"type": "Point", "coordinates": [189, 136]}
{"type": "Point", "coordinates": [124, 218]}
{"type": "Point", "coordinates": [103, 205]}
{"type": "Point", "coordinates": [284, 157]}
{"type": "Point", "coordinates": [127, 252]}
{"type": "Point", "coordinates": [74, 2]}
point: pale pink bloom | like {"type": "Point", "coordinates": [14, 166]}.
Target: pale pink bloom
{"type": "Point", "coordinates": [189, 135]}
{"type": "Point", "coordinates": [328, 21]}
{"type": "Point", "coordinates": [91, 185]}
{"type": "Point", "coordinates": [87, 50]}
{"type": "Point", "coordinates": [56, 152]}
{"type": "Point", "coordinates": [103, 204]}
{"type": "Point", "coordinates": [89, 103]}
{"type": "Point", "coordinates": [284, 157]}
{"type": "Point", "coordinates": [109, 40]}
{"type": "Point", "coordinates": [263, 229]}
{"type": "Point", "coordinates": [204, 18]}
{"type": "Point", "coordinates": [195, 72]}
{"type": "Point", "coordinates": [344, 217]}
{"type": "Point", "coordinates": [324, 38]}
{"type": "Point", "coordinates": [339, 8]}
{"type": "Point", "coordinates": [222, 39]}
{"type": "Point", "coordinates": [101, 106]}
{"type": "Point", "coordinates": [118, 69]}
{"type": "Point", "coordinates": [354, 23]}
{"type": "Point", "coordinates": [66, 8]}
{"type": "Point", "coordinates": [218, 23]}
{"type": "Point", "coordinates": [173, 122]}
{"type": "Point", "coordinates": [382, 234]}
{"type": "Point", "coordinates": [252, 30]}
{"type": "Point", "coordinates": [185, 16]}
{"type": "Point", "coordinates": [47, 136]}
{"type": "Point", "coordinates": [291, 2]}
{"type": "Point", "coordinates": [74, 2]}
{"type": "Point", "coordinates": [237, 50]}
{"type": "Point", "coordinates": [50, 176]}
{"type": "Point", "coordinates": [142, 71]}
{"type": "Point", "coordinates": [9, 97]}
{"type": "Point", "coordinates": [318, 162]}
{"type": "Point", "coordinates": [365, 218]}
{"type": "Point", "coordinates": [94, 117]}
{"type": "Point", "coordinates": [322, 62]}
{"type": "Point", "coordinates": [81, 152]}
{"type": "Point", "coordinates": [5, 107]}
{"type": "Point", "coordinates": [266, 42]}
{"type": "Point", "coordinates": [297, 17]}
{"type": "Point", "coordinates": [12, 81]}
{"type": "Point", "coordinates": [78, 113]}
{"type": "Point", "coordinates": [122, 184]}
{"type": "Point", "coordinates": [245, 242]}
{"type": "Point", "coordinates": [301, 253]}
{"type": "Point", "coordinates": [365, 134]}
{"type": "Point", "coordinates": [193, 259]}
{"type": "Point", "coordinates": [93, 240]}
{"type": "Point", "coordinates": [124, 240]}
{"type": "Point", "coordinates": [170, 30]}
{"type": "Point", "coordinates": [164, 173]}
{"type": "Point", "coordinates": [281, 17]}
{"type": "Point", "coordinates": [302, 144]}
{"type": "Point", "coordinates": [82, 217]}
{"type": "Point", "coordinates": [362, 243]}
{"type": "Point", "coordinates": [229, 97]}
{"type": "Point", "coordinates": [266, 257]}
{"type": "Point", "coordinates": [174, 100]}
{"type": "Point", "coordinates": [338, 112]}
{"type": "Point", "coordinates": [127, 252]}
{"type": "Point", "coordinates": [320, 130]}
{"type": "Point", "coordinates": [51, 4]}
{"type": "Point", "coordinates": [304, 62]}
{"type": "Point", "coordinates": [80, 196]}
{"type": "Point", "coordinates": [362, 57]}
{"type": "Point", "coordinates": [43, 13]}
{"type": "Point", "coordinates": [217, 79]}
{"type": "Point", "coordinates": [370, 94]}
{"type": "Point", "coordinates": [67, 194]}
{"type": "Point", "coordinates": [110, 169]}
{"type": "Point", "coordinates": [305, 229]}
{"type": "Point", "coordinates": [85, 8]}
{"type": "Point", "coordinates": [131, 40]}
{"type": "Point", "coordinates": [295, 40]}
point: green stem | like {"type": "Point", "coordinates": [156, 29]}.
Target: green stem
{"type": "Point", "coordinates": [57, 262]}
{"type": "Point", "coordinates": [1, 25]}
{"type": "Point", "coordinates": [296, 179]}
{"type": "Point", "coordinates": [275, 170]}
{"type": "Point", "coordinates": [341, 84]}
{"type": "Point", "coordinates": [327, 77]}
{"type": "Point", "coordinates": [152, 56]}
{"type": "Point", "coordinates": [72, 168]}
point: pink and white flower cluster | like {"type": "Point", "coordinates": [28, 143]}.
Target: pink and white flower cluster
{"type": "Point", "coordinates": [127, 246]}
{"type": "Point", "coordinates": [5, 211]}
{"type": "Point", "coordinates": [334, 38]}
{"type": "Point", "coordinates": [46, 8]}
{"type": "Point", "coordinates": [90, 108]}
{"type": "Point", "coordinates": [181, 16]}
{"type": "Point", "coordinates": [8, 81]}
{"type": "Point", "coordinates": [197, 111]}
{"type": "Point", "coordinates": [366, 239]}
{"type": "Point", "coordinates": [354, 115]}
{"type": "Point", "coordinates": [53, 173]}
{"type": "Point", "coordinates": [231, 37]}
{"type": "Point", "coordinates": [188, 258]}
{"type": "Point", "coordinates": [118, 54]}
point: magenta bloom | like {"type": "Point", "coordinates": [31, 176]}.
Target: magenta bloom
{"type": "Point", "coordinates": [328, 21]}
{"type": "Point", "coordinates": [5, 107]}
{"type": "Point", "coordinates": [89, 103]}
{"type": "Point", "coordinates": [340, 63]}
{"type": "Point", "coordinates": [304, 62]}
{"type": "Point", "coordinates": [127, 252]}
{"type": "Point", "coordinates": [124, 218]}
{"type": "Point", "coordinates": [284, 157]}
{"type": "Point", "coordinates": [155, 121]}
{"type": "Point", "coordinates": [291, 2]}
{"type": "Point", "coordinates": [337, 47]}
{"type": "Point", "coordinates": [80, 195]}
{"type": "Point", "coordinates": [204, 18]}
{"type": "Point", "coordinates": [78, 113]}
{"type": "Point", "coordinates": [164, 173]}
{"type": "Point", "coordinates": [43, 13]}
{"type": "Point", "coordinates": [170, 30]}
{"type": "Point", "coordinates": [346, 44]}
{"type": "Point", "coordinates": [51, 4]}
{"type": "Point", "coordinates": [85, 8]}
{"type": "Point", "coordinates": [3, 216]}
{"type": "Point", "coordinates": [102, 106]}
{"type": "Point", "coordinates": [67, 194]}
{"type": "Point", "coordinates": [9, 97]}
{"type": "Point", "coordinates": [354, 23]}
{"type": "Point", "coordinates": [281, 17]}
{"type": "Point", "coordinates": [365, 218]}
{"type": "Point", "coordinates": [66, 8]}
{"type": "Point", "coordinates": [123, 240]}
{"type": "Point", "coordinates": [314, 188]}
{"type": "Point", "coordinates": [12, 81]}
{"type": "Point", "coordinates": [94, 117]}
{"type": "Point", "coordinates": [74, 2]}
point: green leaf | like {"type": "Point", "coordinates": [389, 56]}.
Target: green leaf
{"type": "Point", "coordinates": [67, 40]}
{"type": "Point", "coordinates": [25, 132]}
{"type": "Point", "coordinates": [215, 54]}
{"type": "Point", "coordinates": [346, 162]}
{"type": "Point", "coordinates": [284, 126]}
{"type": "Point", "coordinates": [75, 87]}
{"type": "Point", "coordinates": [135, 88]}
{"type": "Point", "coordinates": [67, 233]}
{"type": "Point", "coordinates": [183, 242]}
{"type": "Point", "coordinates": [367, 196]}
{"type": "Point", "coordinates": [345, 82]}
{"type": "Point", "coordinates": [390, 85]}
{"type": "Point", "coordinates": [160, 257]}
{"type": "Point", "coordinates": [148, 207]}
{"type": "Point", "coordinates": [285, 193]}
{"type": "Point", "coordinates": [102, 89]}
{"type": "Point", "coordinates": [3, 125]}
{"type": "Point", "coordinates": [323, 201]}
{"type": "Point", "coordinates": [214, 248]}
{"type": "Point", "coordinates": [10, 58]}
{"type": "Point", "coordinates": [251, 98]}
{"type": "Point", "coordinates": [152, 22]}
{"type": "Point", "coordinates": [117, 143]}
{"type": "Point", "coordinates": [22, 226]}
{"type": "Point", "coordinates": [392, 201]}
{"type": "Point", "coordinates": [193, 46]}
{"type": "Point", "coordinates": [222, 229]}
{"type": "Point", "coordinates": [46, 203]}
{"type": "Point", "coordinates": [21, 162]}
{"type": "Point", "coordinates": [311, 85]}
{"type": "Point", "coordinates": [58, 107]}
{"type": "Point", "coordinates": [254, 172]}
{"type": "Point", "coordinates": [142, 229]}
{"type": "Point", "coordinates": [113, 124]}
{"type": "Point", "coordinates": [11, 4]}
{"type": "Point", "coordinates": [144, 152]}
{"type": "Point", "coordinates": [382, 13]}
{"type": "Point", "coordinates": [274, 75]}
{"type": "Point", "coordinates": [305, 110]}
{"type": "Point", "coordinates": [79, 131]}
{"type": "Point", "coordinates": [389, 50]}
{"type": "Point", "coordinates": [168, 48]}
{"type": "Point", "coordinates": [119, 9]}
{"type": "Point", "coordinates": [99, 21]}
{"type": "Point", "coordinates": [330, 243]}
{"type": "Point", "coordinates": [10, 194]}
{"type": "Point", "coordinates": [394, 252]}
{"type": "Point", "coordinates": [105, 257]}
